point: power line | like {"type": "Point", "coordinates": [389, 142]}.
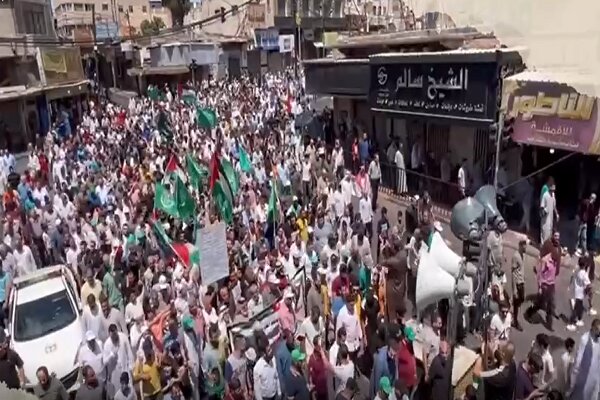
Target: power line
{"type": "Point", "coordinates": [6, 41]}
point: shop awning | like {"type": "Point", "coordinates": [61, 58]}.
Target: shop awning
{"type": "Point", "coordinates": [171, 70]}
{"type": "Point", "coordinates": [62, 90]}
{"type": "Point", "coordinates": [16, 93]}
{"type": "Point", "coordinates": [554, 109]}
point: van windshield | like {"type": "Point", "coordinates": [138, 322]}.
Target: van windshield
{"type": "Point", "coordinates": [43, 316]}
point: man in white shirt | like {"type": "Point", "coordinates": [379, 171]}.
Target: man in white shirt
{"type": "Point", "coordinates": [25, 262]}
{"type": "Point", "coordinates": [306, 178]}
{"type": "Point", "coordinates": [266, 379]}
{"type": "Point", "coordinates": [463, 177]}
{"type": "Point", "coordinates": [348, 319]}
{"type": "Point", "coordinates": [366, 214]}
{"type": "Point", "coordinates": [310, 328]}
{"type": "Point", "coordinates": [90, 353]}
{"type": "Point", "coordinates": [339, 203]}
{"type": "Point", "coordinates": [501, 322]}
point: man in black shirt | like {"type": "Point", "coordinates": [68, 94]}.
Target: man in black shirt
{"type": "Point", "coordinates": [439, 378]}
{"type": "Point", "coordinates": [11, 365]}
{"type": "Point", "coordinates": [499, 383]}
{"type": "Point", "coordinates": [525, 373]}
{"type": "Point", "coordinates": [296, 386]}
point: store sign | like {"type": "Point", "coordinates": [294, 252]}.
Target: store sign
{"type": "Point", "coordinates": [267, 39]}
{"type": "Point", "coordinates": [286, 43]}
{"type": "Point", "coordinates": [59, 65]}
{"type": "Point", "coordinates": [553, 115]}
{"type": "Point", "coordinates": [451, 91]}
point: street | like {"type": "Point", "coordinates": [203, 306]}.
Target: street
{"type": "Point", "coordinates": [521, 339]}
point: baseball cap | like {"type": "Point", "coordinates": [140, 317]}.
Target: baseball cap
{"type": "Point", "coordinates": [409, 333]}
{"type": "Point", "coordinates": [89, 336]}
{"type": "Point", "coordinates": [385, 385]}
{"type": "Point", "coordinates": [187, 322]}
{"type": "Point", "coordinates": [298, 355]}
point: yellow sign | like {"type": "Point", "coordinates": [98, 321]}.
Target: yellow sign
{"type": "Point", "coordinates": [54, 62]}
{"type": "Point", "coordinates": [569, 106]}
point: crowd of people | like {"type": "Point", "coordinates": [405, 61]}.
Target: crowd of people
{"type": "Point", "coordinates": [152, 329]}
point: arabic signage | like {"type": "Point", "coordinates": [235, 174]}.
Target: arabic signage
{"type": "Point", "coordinates": [445, 90]}
{"type": "Point", "coordinates": [267, 39]}
{"type": "Point", "coordinates": [59, 65]}
{"type": "Point", "coordinates": [553, 115]}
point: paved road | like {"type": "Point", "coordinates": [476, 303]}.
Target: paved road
{"type": "Point", "coordinates": [522, 340]}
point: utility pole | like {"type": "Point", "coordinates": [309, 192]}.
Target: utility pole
{"type": "Point", "coordinates": [96, 77]}
{"type": "Point", "coordinates": [297, 22]}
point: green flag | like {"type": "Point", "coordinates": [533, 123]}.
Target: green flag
{"type": "Point", "coordinates": [190, 99]}
{"type": "Point", "coordinates": [245, 163]}
{"type": "Point", "coordinates": [198, 174]}
{"type": "Point", "coordinates": [183, 199]}
{"type": "Point", "coordinates": [153, 93]}
{"type": "Point", "coordinates": [222, 202]}
{"type": "Point", "coordinates": [230, 175]}
{"type": "Point", "coordinates": [164, 126]}
{"type": "Point", "coordinates": [272, 206]}
{"type": "Point", "coordinates": [164, 201]}
{"type": "Point", "coordinates": [206, 118]}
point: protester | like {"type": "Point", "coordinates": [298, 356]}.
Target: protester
{"type": "Point", "coordinates": [314, 282]}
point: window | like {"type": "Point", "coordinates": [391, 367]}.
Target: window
{"type": "Point", "coordinates": [77, 6]}
{"type": "Point", "coordinates": [88, 7]}
{"type": "Point", "coordinates": [34, 19]}
{"type": "Point", "coordinates": [120, 8]}
{"type": "Point", "coordinates": [130, 9]}
{"type": "Point", "coordinates": [56, 313]}
{"type": "Point", "coordinates": [384, 11]}
{"type": "Point", "coordinates": [104, 6]}
{"type": "Point", "coordinates": [144, 9]}
{"type": "Point", "coordinates": [374, 10]}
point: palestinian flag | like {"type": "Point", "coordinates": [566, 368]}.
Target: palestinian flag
{"type": "Point", "coordinates": [174, 167]}
{"type": "Point", "coordinates": [187, 253]}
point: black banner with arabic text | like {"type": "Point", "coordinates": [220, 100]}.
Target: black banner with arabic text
{"type": "Point", "coordinates": [444, 90]}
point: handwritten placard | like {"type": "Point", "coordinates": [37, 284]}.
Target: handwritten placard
{"type": "Point", "coordinates": [455, 91]}
{"type": "Point", "coordinates": [214, 264]}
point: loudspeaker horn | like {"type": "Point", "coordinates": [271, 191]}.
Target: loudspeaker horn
{"type": "Point", "coordinates": [486, 195]}
{"type": "Point", "coordinates": [467, 219]}
{"type": "Point", "coordinates": [448, 260]}
{"type": "Point", "coordinates": [433, 283]}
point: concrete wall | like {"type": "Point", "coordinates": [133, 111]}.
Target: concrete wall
{"type": "Point", "coordinates": [558, 35]}
{"type": "Point", "coordinates": [175, 55]}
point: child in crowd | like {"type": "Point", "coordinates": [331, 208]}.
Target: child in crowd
{"type": "Point", "coordinates": [580, 287]}
{"type": "Point", "coordinates": [215, 388]}
{"type": "Point", "coordinates": [567, 359]}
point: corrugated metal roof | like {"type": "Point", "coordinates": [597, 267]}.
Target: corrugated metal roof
{"type": "Point", "coordinates": [448, 52]}
{"type": "Point", "coordinates": [554, 76]}
{"type": "Point", "coordinates": [336, 61]}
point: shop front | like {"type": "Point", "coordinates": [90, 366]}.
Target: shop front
{"type": "Point", "coordinates": [346, 81]}
{"type": "Point", "coordinates": [556, 126]}
{"type": "Point", "coordinates": [439, 109]}
{"type": "Point", "coordinates": [64, 86]}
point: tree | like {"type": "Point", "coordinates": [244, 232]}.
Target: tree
{"type": "Point", "coordinates": [153, 26]}
{"type": "Point", "coordinates": [178, 8]}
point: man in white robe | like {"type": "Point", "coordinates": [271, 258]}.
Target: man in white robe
{"type": "Point", "coordinates": [401, 170]}
{"type": "Point", "coordinates": [548, 213]}
{"type": "Point", "coordinates": [117, 356]}
{"type": "Point", "coordinates": [585, 379]}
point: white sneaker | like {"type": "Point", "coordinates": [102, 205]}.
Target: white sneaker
{"type": "Point", "coordinates": [593, 312]}
{"type": "Point", "coordinates": [579, 323]}
{"type": "Point", "coordinates": [571, 328]}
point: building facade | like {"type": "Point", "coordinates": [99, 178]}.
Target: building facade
{"type": "Point", "coordinates": [113, 18]}
{"type": "Point", "coordinates": [38, 80]}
